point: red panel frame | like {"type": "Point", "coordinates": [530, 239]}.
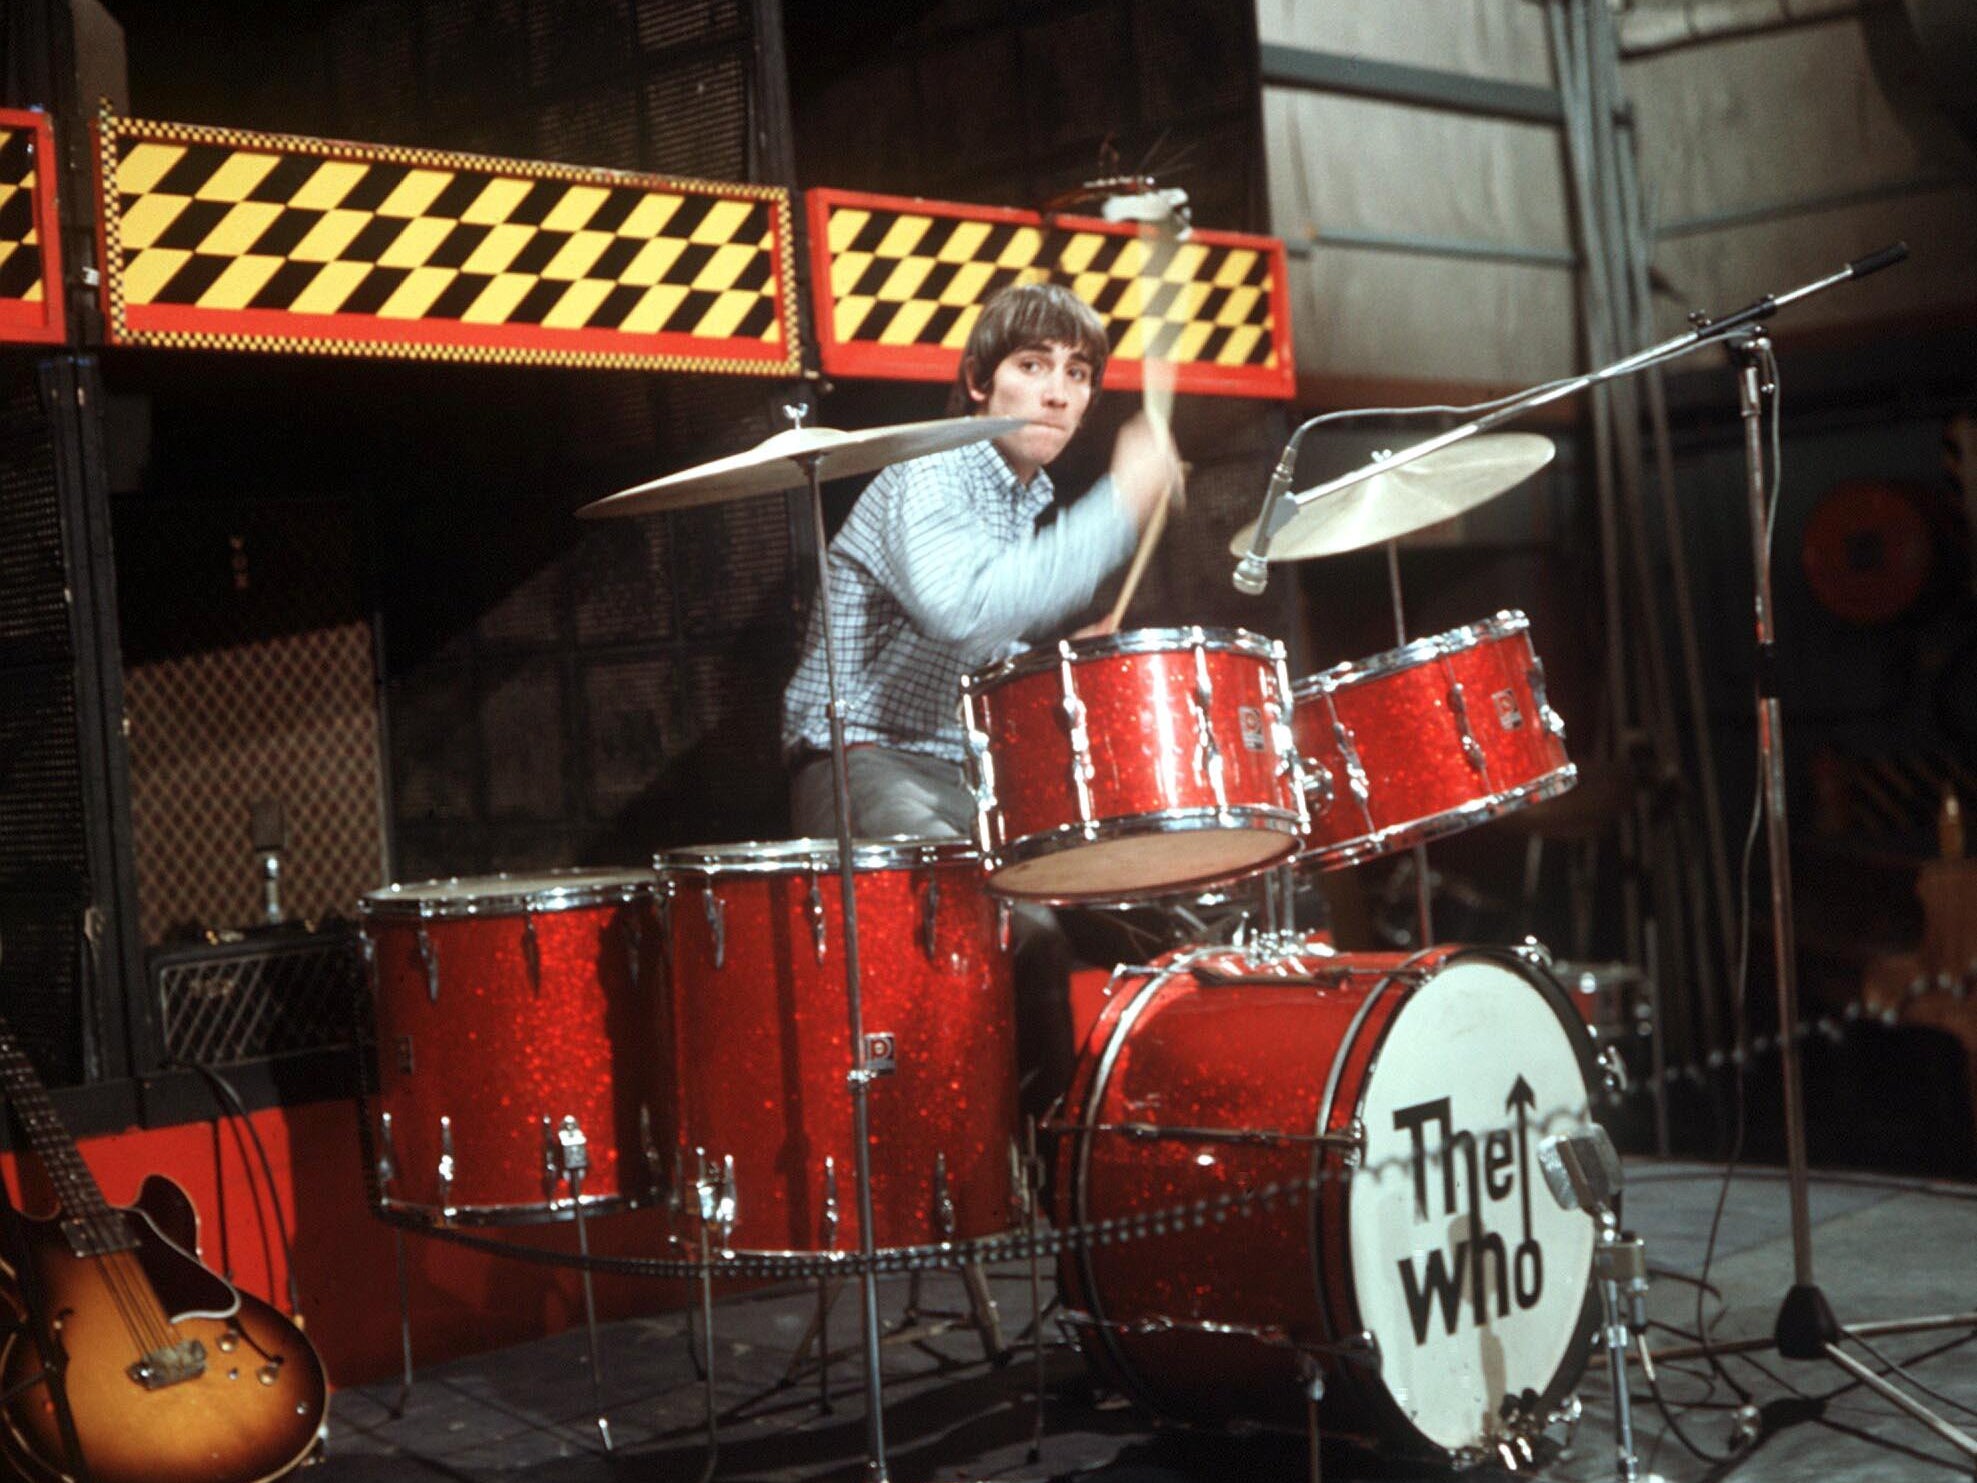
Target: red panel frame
{"type": "Point", "coordinates": [22, 321]}
{"type": "Point", "coordinates": [933, 363]}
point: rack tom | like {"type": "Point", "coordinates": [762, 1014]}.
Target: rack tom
{"type": "Point", "coordinates": [1425, 740]}
{"type": "Point", "coordinates": [1140, 763]}
{"type": "Point", "coordinates": [520, 1069]}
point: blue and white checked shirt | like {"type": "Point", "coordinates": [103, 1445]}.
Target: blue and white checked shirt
{"type": "Point", "coordinates": [939, 569]}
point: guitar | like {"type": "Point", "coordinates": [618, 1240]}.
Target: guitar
{"type": "Point", "coordinates": [173, 1375]}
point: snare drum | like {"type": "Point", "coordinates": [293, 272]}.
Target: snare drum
{"type": "Point", "coordinates": [1426, 740]}
{"type": "Point", "coordinates": [520, 1068]}
{"type": "Point", "coordinates": [1431, 1275]}
{"type": "Point", "coordinates": [1143, 762]}
{"type": "Point", "coordinates": [756, 950]}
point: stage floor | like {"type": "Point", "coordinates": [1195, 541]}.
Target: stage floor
{"type": "Point", "coordinates": [1883, 1249]}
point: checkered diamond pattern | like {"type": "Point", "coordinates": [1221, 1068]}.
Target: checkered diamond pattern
{"type": "Point", "coordinates": [907, 279]}
{"type": "Point", "coordinates": [263, 242]}
{"type": "Point", "coordinates": [291, 718]}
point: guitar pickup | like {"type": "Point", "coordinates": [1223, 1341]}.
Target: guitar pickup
{"type": "Point", "coordinates": [170, 1365]}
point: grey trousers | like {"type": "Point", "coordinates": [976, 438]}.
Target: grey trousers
{"type": "Point", "coordinates": [895, 793]}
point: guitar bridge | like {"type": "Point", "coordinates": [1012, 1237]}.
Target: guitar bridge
{"type": "Point", "coordinates": [170, 1365]}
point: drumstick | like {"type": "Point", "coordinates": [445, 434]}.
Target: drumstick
{"type": "Point", "coordinates": [1157, 396]}
{"type": "Point", "coordinates": [1149, 537]}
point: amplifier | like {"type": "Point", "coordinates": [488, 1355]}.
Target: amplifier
{"type": "Point", "coordinates": [259, 993]}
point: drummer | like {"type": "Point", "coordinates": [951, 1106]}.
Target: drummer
{"type": "Point", "coordinates": [941, 568]}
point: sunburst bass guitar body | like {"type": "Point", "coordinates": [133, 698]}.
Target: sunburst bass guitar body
{"type": "Point", "coordinates": [172, 1374]}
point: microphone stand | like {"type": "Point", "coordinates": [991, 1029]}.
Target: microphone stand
{"type": "Point", "coordinates": [1280, 505]}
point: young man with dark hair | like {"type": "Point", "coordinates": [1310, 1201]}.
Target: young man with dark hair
{"type": "Point", "coordinates": [939, 569]}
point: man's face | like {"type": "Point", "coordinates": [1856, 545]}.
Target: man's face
{"type": "Point", "coordinates": [1050, 385]}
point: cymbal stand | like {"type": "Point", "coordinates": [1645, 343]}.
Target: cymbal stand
{"type": "Point", "coordinates": [861, 1073]}
{"type": "Point", "coordinates": [1806, 1328]}
{"type": "Point", "coordinates": [1424, 909]}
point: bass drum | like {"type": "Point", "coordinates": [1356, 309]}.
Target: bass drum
{"type": "Point", "coordinates": [1410, 1250]}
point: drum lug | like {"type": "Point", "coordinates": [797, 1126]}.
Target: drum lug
{"type": "Point", "coordinates": [1280, 706]}
{"type": "Point", "coordinates": [981, 769]}
{"type": "Point", "coordinates": [718, 1201]}
{"type": "Point", "coordinates": [1354, 1148]}
{"type": "Point", "coordinates": [930, 912]}
{"type": "Point", "coordinates": [1208, 754]}
{"type": "Point", "coordinates": [445, 1166]}
{"type": "Point", "coordinates": [1533, 951]}
{"type": "Point", "coordinates": [429, 955]}
{"type": "Point", "coordinates": [717, 924]}
{"type": "Point", "coordinates": [1317, 779]}
{"type": "Point", "coordinates": [1082, 771]}
{"type": "Point", "coordinates": [1613, 1069]}
{"type": "Point", "coordinates": [1355, 770]}
{"type": "Point", "coordinates": [531, 950]}
{"type": "Point", "coordinates": [943, 1199]}
{"type": "Point", "coordinates": [565, 1156]}
{"type": "Point", "coordinates": [634, 942]}
{"type": "Point", "coordinates": [655, 1163]}
{"type": "Point", "coordinates": [814, 904]}
{"type": "Point", "coordinates": [387, 1164]}
{"type": "Point", "coordinates": [1548, 718]}
{"type": "Point", "coordinates": [1472, 750]}
{"type": "Point", "coordinates": [829, 1231]}
{"type": "Point", "coordinates": [1005, 917]}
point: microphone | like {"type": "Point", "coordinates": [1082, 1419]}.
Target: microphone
{"type": "Point", "coordinates": [1874, 262]}
{"type": "Point", "coordinates": [1252, 573]}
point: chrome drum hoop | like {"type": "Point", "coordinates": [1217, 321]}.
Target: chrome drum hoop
{"type": "Point", "coordinates": [1411, 655]}
{"type": "Point", "coordinates": [455, 897]}
{"type": "Point", "coordinates": [547, 1213]}
{"type": "Point", "coordinates": [814, 856]}
{"type": "Point", "coordinates": [1238, 819]}
{"type": "Point", "coordinates": [1364, 847]}
{"type": "Point", "coordinates": [1115, 645]}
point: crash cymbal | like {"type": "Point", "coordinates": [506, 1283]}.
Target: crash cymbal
{"type": "Point", "coordinates": [1414, 496]}
{"type": "Point", "coordinates": [782, 462]}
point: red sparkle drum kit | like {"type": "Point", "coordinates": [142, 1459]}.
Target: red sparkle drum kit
{"type": "Point", "coordinates": [806, 1046]}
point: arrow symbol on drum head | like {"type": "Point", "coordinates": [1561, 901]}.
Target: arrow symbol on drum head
{"type": "Point", "coordinates": [1523, 1099]}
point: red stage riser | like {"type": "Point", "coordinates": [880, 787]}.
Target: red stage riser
{"type": "Point", "coordinates": [462, 1302]}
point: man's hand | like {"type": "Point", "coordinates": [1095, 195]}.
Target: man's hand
{"type": "Point", "coordinates": [1146, 467]}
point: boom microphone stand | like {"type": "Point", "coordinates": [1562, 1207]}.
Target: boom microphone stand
{"type": "Point", "coordinates": [1806, 1328]}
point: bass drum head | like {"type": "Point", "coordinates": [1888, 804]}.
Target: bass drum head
{"type": "Point", "coordinates": [1470, 1278]}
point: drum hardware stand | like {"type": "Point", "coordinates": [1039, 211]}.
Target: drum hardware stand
{"type": "Point", "coordinates": [1424, 909]}
{"type": "Point", "coordinates": [404, 1326]}
{"type": "Point", "coordinates": [1032, 1185]}
{"type": "Point", "coordinates": [1806, 1328]}
{"type": "Point", "coordinates": [566, 1154]}
{"type": "Point", "coordinates": [861, 1075]}
{"type": "Point", "coordinates": [707, 1357]}
{"type": "Point", "coordinates": [1583, 1172]}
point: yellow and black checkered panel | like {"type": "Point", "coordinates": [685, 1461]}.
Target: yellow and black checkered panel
{"type": "Point", "coordinates": [901, 282]}
{"type": "Point", "coordinates": [30, 283]}
{"type": "Point", "coordinates": [260, 242]}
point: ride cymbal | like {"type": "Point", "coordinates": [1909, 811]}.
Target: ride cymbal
{"type": "Point", "coordinates": [783, 462]}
